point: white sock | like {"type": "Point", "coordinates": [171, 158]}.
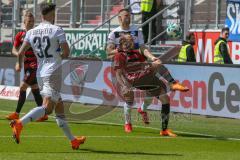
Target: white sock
{"type": "Point", "coordinates": [33, 115]}
{"type": "Point", "coordinates": [127, 113]}
{"type": "Point", "coordinates": [64, 126]}
{"type": "Point", "coordinates": [145, 104]}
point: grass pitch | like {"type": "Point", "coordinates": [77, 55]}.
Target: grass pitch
{"type": "Point", "coordinates": [199, 138]}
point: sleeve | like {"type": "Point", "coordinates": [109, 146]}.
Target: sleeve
{"type": "Point", "coordinates": [140, 38]}
{"type": "Point", "coordinates": [190, 54]}
{"type": "Point", "coordinates": [60, 35]}
{"type": "Point", "coordinates": [27, 37]}
{"type": "Point", "coordinates": [17, 40]}
{"type": "Point", "coordinates": [111, 38]}
{"type": "Point", "coordinates": [119, 61]}
{"type": "Point", "coordinates": [225, 54]}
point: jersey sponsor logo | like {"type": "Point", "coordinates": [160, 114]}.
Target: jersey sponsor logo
{"type": "Point", "coordinates": [133, 33]}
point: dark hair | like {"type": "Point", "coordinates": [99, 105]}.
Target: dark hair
{"type": "Point", "coordinates": [225, 29]}
{"type": "Point", "coordinates": [47, 7]}
{"type": "Point", "coordinates": [189, 35]}
{"type": "Point", "coordinates": [124, 9]}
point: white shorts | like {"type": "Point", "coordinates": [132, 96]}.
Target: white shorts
{"type": "Point", "coordinates": [50, 86]}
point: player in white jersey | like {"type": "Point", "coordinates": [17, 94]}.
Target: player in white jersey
{"type": "Point", "coordinates": [47, 40]}
{"type": "Point", "coordinates": [114, 36]}
{"type": "Point", "coordinates": [125, 28]}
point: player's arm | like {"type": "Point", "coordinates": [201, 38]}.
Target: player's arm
{"type": "Point", "coordinates": [111, 46]}
{"type": "Point", "coordinates": [122, 80]}
{"type": "Point", "coordinates": [119, 67]}
{"type": "Point", "coordinates": [145, 51]}
{"type": "Point", "coordinates": [19, 62]}
{"type": "Point", "coordinates": [19, 58]}
{"type": "Point", "coordinates": [60, 34]}
{"type": "Point", "coordinates": [16, 44]}
{"type": "Point", "coordinates": [65, 50]}
{"type": "Point", "coordinates": [25, 46]}
{"type": "Point", "coordinates": [126, 88]}
{"type": "Point", "coordinates": [111, 51]}
{"type": "Point", "coordinates": [15, 50]}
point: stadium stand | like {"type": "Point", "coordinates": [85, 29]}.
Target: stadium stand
{"type": "Point", "coordinates": [204, 14]}
{"type": "Point", "coordinates": [92, 13]}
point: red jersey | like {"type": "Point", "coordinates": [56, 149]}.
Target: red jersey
{"type": "Point", "coordinates": [133, 63]}
{"type": "Point", "coordinates": [30, 60]}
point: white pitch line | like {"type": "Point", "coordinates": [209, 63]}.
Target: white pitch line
{"type": "Point", "coordinates": [153, 128]}
{"type": "Point", "coordinates": [127, 137]}
{"type": "Point", "coordinates": [118, 124]}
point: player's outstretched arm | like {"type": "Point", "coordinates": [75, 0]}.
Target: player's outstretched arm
{"type": "Point", "coordinates": [126, 88]}
{"type": "Point", "coordinates": [65, 50]}
{"type": "Point", "coordinates": [149, 55]}
{"type": "Point", "coordinates": [121, 78]}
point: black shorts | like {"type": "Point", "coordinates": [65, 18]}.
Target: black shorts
{"type": "Point", "coordinates": [151, 84]}
{"type": "Point", "coordinates": [30, 76]}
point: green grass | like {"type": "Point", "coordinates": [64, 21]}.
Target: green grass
{"type": "Point", "coordinates": [199, 138]}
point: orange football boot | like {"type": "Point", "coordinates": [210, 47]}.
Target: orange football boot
{"type": "Point", "coordinates": [16, 126]}
{"type": "Point", "coordinates": [128, 128]}
{"type": "Point", "coordinates": [44, 118]}
{"type": "Point", "coordinates": [178, 87]}
{"type": "Point", "coordinates": [144, 116]}
{"type": "Point", "coordinates": [77, 141]}
{"type": "Point", "coordinates": [168, 132]}
{"type": "Point", "coordinates": [12, 116]}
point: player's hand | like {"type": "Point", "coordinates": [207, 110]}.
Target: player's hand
{"type": "Point", "coordinates": [18, 67]}
{"type": "Point", "coordinates": [156, 64]}
{"type": "Point", "coordinates": [156, 60]}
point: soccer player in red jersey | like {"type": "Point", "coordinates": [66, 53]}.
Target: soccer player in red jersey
{"type": "Point", "coordinates": [133, 71]}
{"type": "Point", "coordinates": [113, 43]}
{"type": "Point", "coordinates": [30, 68]}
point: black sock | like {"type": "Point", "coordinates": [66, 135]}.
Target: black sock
{"type": "Point", "coordinates": [164, 72]}
{"type": "Point", "coordinates": [165, 116]}
{"type": "Point", "coordinates": [21, 101]}
{"type": "Point", "coordinates": [37, 97]}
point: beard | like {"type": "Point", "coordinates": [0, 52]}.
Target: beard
{"type": "Point", "coordinates": [126, 22]}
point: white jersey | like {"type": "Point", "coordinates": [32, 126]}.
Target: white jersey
{"type": "Point", "coordinates": [136, 34]}
{"type": "Point", "coordinates": [45, 40]}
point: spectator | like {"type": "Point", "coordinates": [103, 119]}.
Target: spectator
{"type": "Point", "coordinates": [221, 50]}
{"type": "Point", "coordinates": [187, 52]}
{"type": "Point", "coordinates": [136, 9]}
{"type": "Point", "coordinates": [149, 9]}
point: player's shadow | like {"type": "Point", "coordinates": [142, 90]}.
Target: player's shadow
{"type": "Point", "coordinates": [203, 137]}
{"type": "Point", "coordinates": [87, 150]}
{"type": "Point", "coordinates": [194, 135]}
{"type": "Point", "coordinates": [130, 153]}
